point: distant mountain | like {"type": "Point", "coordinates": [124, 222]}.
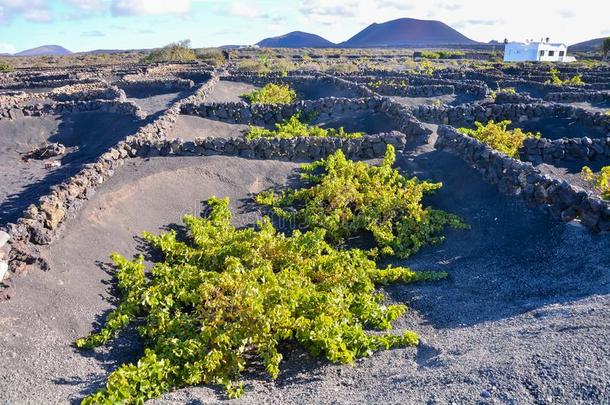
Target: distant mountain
{"type": "Point", "coordinates": [407, 32]}
{"type": "Point", "coordinates": [591, 45]}
{"type": "Point", "coordinates": [296, 39]}
{"type": "Point", "coordinates": [45, 50]}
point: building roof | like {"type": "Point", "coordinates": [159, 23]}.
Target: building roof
{"type": "Point", "coordinates": [537, 43]}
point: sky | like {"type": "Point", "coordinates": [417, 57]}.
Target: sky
{"type": "Point", "coordinates": [82, 25]}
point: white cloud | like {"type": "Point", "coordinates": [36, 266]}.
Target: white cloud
{"type": "Point", "coordinates": [89, 5]}
{"type": "Point", "coordinates": [7, 48]}
{"type": "Point", "coordinates": [150, 7]}
{"type": "Point", "coordinates": [30, 10]}
{"type": "Point", "coordinates": [243, 10]}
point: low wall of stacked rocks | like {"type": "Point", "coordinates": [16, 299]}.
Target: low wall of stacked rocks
{"type": "Point", "coordinates": [27, 84]}
{"type": "Point", "coordinates": [294, 80]}
{"type": "Point", "coordinates": [561, 199]}
{"type": "Point", "coordinates": [84, 92]}
{"type": "Point", "coordinates": [172, 83]}
{"type": "Point", "coordinates": [295, 149]}
{"type": "Point", "coordinates": [570, 149]}
{"type": "Point", "coordinates": [42, 222]}
{"type": "Point", "coordinates": [269, 114]}
{"type": "Point", "coordinates": [475, 87]}
{"type": "Point", "coordinates": [40, 110]}
{"type": "Point", "coordinates": [467, 114]}
{"type": "Point", "coordinates": [395, 89]}
{"type": "Point", "coordinates": [266, 115]}
{"type": "Point", "coordinates": [576, 97]}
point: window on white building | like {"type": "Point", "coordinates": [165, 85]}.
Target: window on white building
{"type": "Point", "coordinates": [561, 53]}
{"type": "Point", "coordinates": [551, 53]}
{"type": "Point", "coordinates": [541, 53]}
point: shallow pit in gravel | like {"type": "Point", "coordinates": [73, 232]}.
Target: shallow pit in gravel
{"type": "Point", "coordinates": [449, 99]}
{"type": "Point", "coordinates": [227, 91]}
{"type": "Point", "coordinates": [189, 127]}
{"type": "Point", "coordinates": [153, 103]}
{"type": "Point", "coordinates": [312, 89]}
{"type": "Point", "coordinates": [603, 106]}
{"type": "Point", "coordinates": [357, 121]}
{"type": "Point", "coordinates": [557, 127]}
{"type": "Point", "coordinates": [521, 319]}
{"type": "Point", "coordinates": [86, 135]}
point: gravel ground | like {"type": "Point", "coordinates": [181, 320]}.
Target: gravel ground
{"type": "Point", "coordinates": [523, 317]}
{"type": "Point", "coordinates": [556, 128]}
{"type": "Point", "coordinates": [449, 99]}
{"type": "Point", "coordinates": [227, 91]}
{"type": "Point", "coordinates": [189, 127]}
{"type": "Point", "coordinates": [87, 135]}
{"type": "Point", "coordinates": [153, 104]}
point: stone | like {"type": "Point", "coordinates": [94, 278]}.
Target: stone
{"type": "Point", "coordinates": [3, 270]}
{"type": "Point", "coordinates": [4, 238]}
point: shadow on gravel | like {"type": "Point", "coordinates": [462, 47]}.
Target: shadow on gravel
{"type": "Point", "coordinates": [513, 259]}
{"type": "Point", "coordinates": [89, 135]}
{"type": "Point", "coordinates": [360, 121]}
{"type": "Point", "coordinates": [557, 127]}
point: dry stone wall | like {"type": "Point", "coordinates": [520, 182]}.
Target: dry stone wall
{"type": "Point", "coordinates": [561, 199]}
{"type": "Point", "coordinates": [39, 110]}
{"type": "Point", "coordinates": [467, 114]}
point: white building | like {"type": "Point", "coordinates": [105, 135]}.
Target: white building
{"type": "Point", "coordinates": [536, 52]}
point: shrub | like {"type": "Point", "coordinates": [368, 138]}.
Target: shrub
{"type": "Point", "coordinates": [507, 90]}
{"type": "Point", "coordinates": [294, 127]}
{"type": "Point", "coordinates": [342, 68]}
{"type": "Point", "coordinates": [265, 64]}
{"type": "Point", "coordinates": [272, 93]}
{"type": "Point", "coordinates": [556, 80]}
{"type": "Point", "coordinates": [441, 54]}
{"type": "Point", "coordinates": [430, 55]}
{"type": "Point", "coordinates": [349, 198]}
{"type": "Point", "coordinates": [499, 137]}
{"type": "Point", "coordinates": [211, 56]}
{"type": "Point", "coordinates": [176, 52]}
{"type": "Point", "coordinates": [601, 180]}
{"type": "Point", "coordinates": [6, 67]}
{"type": "Point", "coordinates": [437, 103]}
{"type": "Point", "coordinates": [425, 68]}
{"type": "Point", "coordinates": [229, 297]}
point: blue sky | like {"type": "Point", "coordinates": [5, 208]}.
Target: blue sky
{"type": "Point", "coordinates": [81, 25]}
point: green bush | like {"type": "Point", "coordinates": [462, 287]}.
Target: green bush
{"type": "Point", "coordinates": [345, 67]}
{"type": "Point", "coordinates": [349, 198]}
{"type": "Point", "coordinates": [441, 54]}
{"type": "Point", "coordinates": [229, 297]}
{"type": "Point", "coordinates": [5, 67]}
{"type": "Point", "coordinates": [294, 127]}
{"type": "Point", "coordinates": [176, 52]}
{"type": "Point", "coordinates": [556, 80]}
{"type": "Point", "coordinates": [265, 64]}
{"type": "Point", "coordinates": [211, 56]}
{"type": "Point", "coordinates": [499, 137]}
{"type": "Point", "coordinates": [601, 180]}
{"type": "Point", "coordinates": [507, 90]}
{"type": "Point", "coordinates": [272, 93]}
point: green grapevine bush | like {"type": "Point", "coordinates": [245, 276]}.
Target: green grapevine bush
{"type": "Point", "coordinates": [272, 93]}
{"type": "Point", "coordinates": [5, 67]}
{"type": "Point", "coordinates": [293, 127]}
{"type": "Point", "coordinates": [231, 296]}
{"type": "Point", "coordinates": [499, 137]}
{"type": "Point", "coordinates": [349, 198]}
{"type": "Point", "coordinates": [556, 80]}
{"type": "Point", "coordinates": [176, 52]}
{"type": "Point", "coordinates": [506, 90]}
{"type": "Point", "coordinates": [601, 180]}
